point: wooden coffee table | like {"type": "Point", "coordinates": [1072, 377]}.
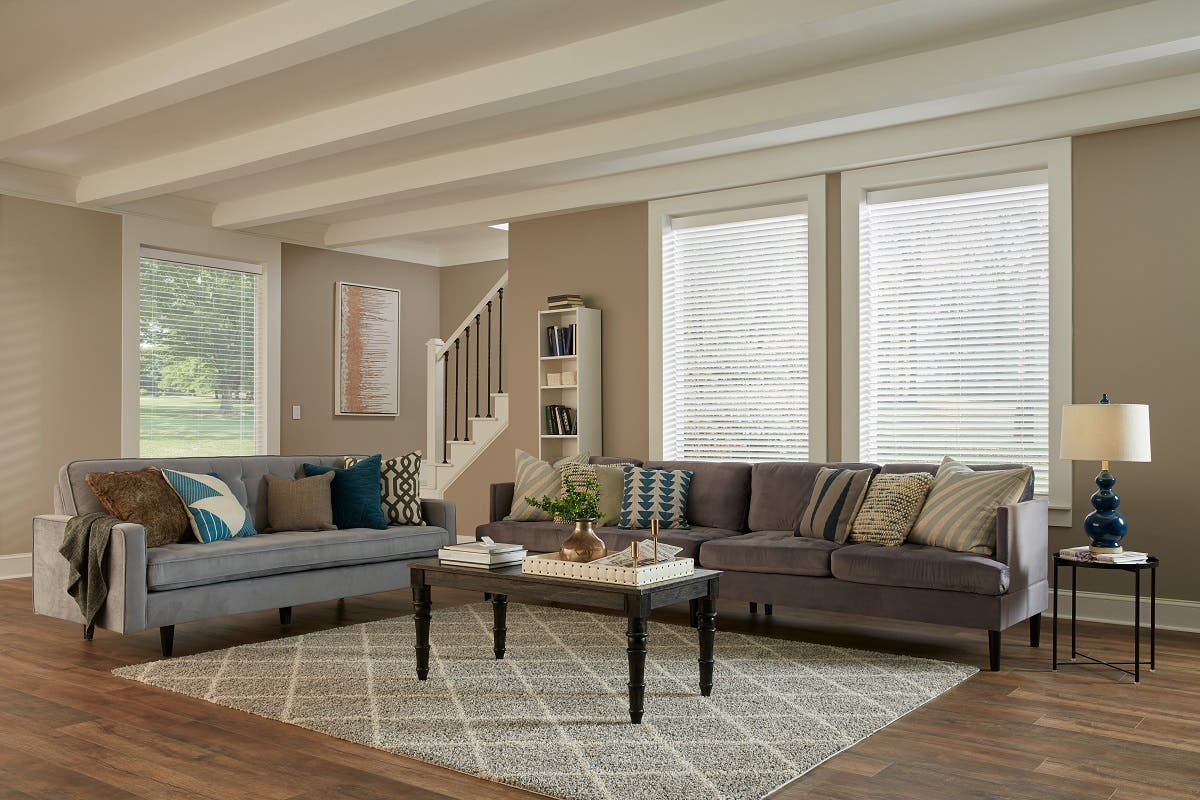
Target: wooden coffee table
{"type": "Point", "coordinates": [634, 601]}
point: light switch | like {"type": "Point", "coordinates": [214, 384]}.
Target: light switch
{"type": "Point", "coordinates": [296, 412]}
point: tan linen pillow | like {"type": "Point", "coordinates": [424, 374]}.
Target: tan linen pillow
{"type": "Point", "coordinates": [537, 479]}
{"type": "Point", "coordinates": [303, 504]}
{"type": "Point", "coordinates": [835, 500]}
{"type": "Point", "coordinates": [143, 496]}
{"type": "Point", "coordinates": [611, 478]}
{"type": "Point", "coordinates": [960, 512]}
{"type": "Point", "coordinates": [892, 505]}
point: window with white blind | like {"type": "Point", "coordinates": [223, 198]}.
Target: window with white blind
{"type": "Point", "coordinates": [200, 376]}
{"type": "Point", "coordinates": [735, 335]}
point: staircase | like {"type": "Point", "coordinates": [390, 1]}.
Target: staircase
{"type": "Point", "coordinates": [466, 405]}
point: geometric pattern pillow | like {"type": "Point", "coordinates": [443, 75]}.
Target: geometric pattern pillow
{"type": "Point", "coordinates": [611, 478]}
{"type": "Point", "coordinates": [537, 479]}
{"type": "Point", "coordinates": [960, 512]}
{"type": "Point", "coordinates": [213, 511]}
{"type": "Point", "coordinates": [892, 505]}
{"type": "Point", "coordinates": [835, 500]}
{"type": "Point", "coordinates": [650, 494]}
{"type": "Point", "coordinates": [401, 488]}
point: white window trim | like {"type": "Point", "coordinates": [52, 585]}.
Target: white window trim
{"type": "Point", "coordinates": [205, 247]}
{"type": "Point", "coordinates": [1054, 157]}
{"type": "Point", "coordinates": [800, 190]}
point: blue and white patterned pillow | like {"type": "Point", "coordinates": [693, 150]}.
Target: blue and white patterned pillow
{"type": "Point", "coordinates": [660, 494]}
{"type": "Point", "coordinates": [213, 510]}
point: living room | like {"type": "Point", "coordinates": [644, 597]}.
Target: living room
{"type": "Point", "coordinates": [787, 243]}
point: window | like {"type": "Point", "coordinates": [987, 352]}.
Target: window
{"type": "Point", "coordinates": [735, 335]}
{"type": "Point", "coordinates": [200, 376]}
{"type": "Point", "coordinates": [954, 347]}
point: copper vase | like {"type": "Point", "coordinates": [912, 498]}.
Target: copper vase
{"type": "Point", "coordinates": [583, 544]}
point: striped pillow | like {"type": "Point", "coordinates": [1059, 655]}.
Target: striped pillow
{"type": "Point", "coordinates": [835, 500]}
{"type": "Point", "coordinates": [960, 512]}
{"type": "Point", "coordinates": [537, 479]}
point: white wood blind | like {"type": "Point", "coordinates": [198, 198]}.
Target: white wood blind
{"type": "Point", "coordinates": [735, 338]}
{"type": "Point", "coordinates": [954, 326]}
{"type": "Point", "coordinates": [200, 380]}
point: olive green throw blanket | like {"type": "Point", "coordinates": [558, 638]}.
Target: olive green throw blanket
{"type": "Point", "coordinates": [84, 547]}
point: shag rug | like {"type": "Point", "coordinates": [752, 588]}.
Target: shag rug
{"type": "Point", "coordinates": [552, 717]}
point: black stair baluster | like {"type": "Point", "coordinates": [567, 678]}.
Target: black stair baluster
{"type": "Point", "coordinates": [456, 390]}
{"type": "Point", "coordinates": [478, 344]}
{"type": "Point", "coordinates": [467, 388]}
{"type": "Point", "coordinates": [489, 359]}
{"type": "Point", "coordinates": [445, 406]}
{"type": "Point", "coordinates": [500, 347]}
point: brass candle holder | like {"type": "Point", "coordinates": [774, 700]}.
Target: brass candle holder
{"type": "Point", "coordinates": [654, 537]}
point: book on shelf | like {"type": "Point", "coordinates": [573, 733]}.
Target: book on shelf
{"type": "Point", "coordinates": [1084, 553]}
{"type": "Point", "coordinates": [560, 340]}
{"type": "Point", "coordinates": [561, 420]}
{"type": "Point", "coordinates": [485, 553]}
{"type": "Point", "coordinates": [560, 302]}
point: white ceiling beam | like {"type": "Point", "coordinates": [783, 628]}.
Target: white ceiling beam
{"type": "Point", "coordinates": [273, 39]}
{"type": "Point", "coordinates": [707, 35]}
{"type": "Point", "coordinates": [1087, 112]}
{"type": "Point", "coordinates": [1015, 67]}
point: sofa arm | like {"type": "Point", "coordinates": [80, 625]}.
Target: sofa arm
{"type": "Point", "coordinates": [442, 514]}
{"type": "Point", "coordinates": [124, 609]}
{"type": "Point", "coordinates": [500, 501]}
{"type": "Point", "coordinates": [1023, 542]}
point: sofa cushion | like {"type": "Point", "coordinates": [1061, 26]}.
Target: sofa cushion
{"type": "Point", "coordinates": [960, 512]}
{"type": "Point", "coordinates": [537, 479]}
{"type": "Point", "coordinates": [214, 511]}
{"type": "Point", "coordinates": [143, 496]}
{"type": "Point", "coordinates": [905, 467]}
{"type": "Point", "coordinates": [835, 500]}
{"type": "Point", "coordinates": [401, 488]}
{"type": "Point", "coordinates": [653, 493]}
{"type": "Point", "coordinates": [610, 480]}
{"type": "Point", "coordinates": [920, 567]}
{"type": "Point", "coordinates": [890, 508]}
{"type": "Point", "coordinates": [779, 491]}
{"type": "Point", "coordinates": [775, 552]}
{"type": "Point", "coordinates": [547, 537]}
{"type": "Point", "coordinates": [299, 504]}
{"type": "Point", "coordinates": [357, 493]}
{"type": "Point", "coordinates": [176, 566]}
{"type": "Point", "coordinates": [720, 493]}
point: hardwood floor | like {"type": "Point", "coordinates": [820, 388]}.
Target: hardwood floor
{"type": "Point", "coordinates": [70, 729]}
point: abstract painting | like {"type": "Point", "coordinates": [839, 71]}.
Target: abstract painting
{"type": "Point", "coordinates": [367, 373]}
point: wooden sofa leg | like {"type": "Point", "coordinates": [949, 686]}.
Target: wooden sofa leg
{"type": "Point", "coordinates": [994, 650]}
{"type": "Point", "coordinates": [754, 608]}
{"type": "Point", "coordinates": [166, 637]}
{"type": "Point", "coordinates": [285, 615]}
{"type": "Point", "coordinates": [1035, 630]}
{"type": "Point", "coordinates": [770, 609]}
{"type": "Point", "coordinates": [89, 631]}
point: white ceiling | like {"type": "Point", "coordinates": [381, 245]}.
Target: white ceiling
{"type": "Point", "coordinates": [404, 127]}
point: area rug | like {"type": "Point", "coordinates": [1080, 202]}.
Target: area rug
{"type": "Point", "coordinates": [552, 717]}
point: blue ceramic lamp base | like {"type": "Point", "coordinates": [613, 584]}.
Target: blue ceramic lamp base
{"type": "Point", "coordinates": [1105, 526]}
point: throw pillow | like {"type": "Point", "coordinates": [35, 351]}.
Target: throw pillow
{"type": "Point", "coordinates": [214, 513]}
{"type": "Point", "coordinates": [660, 494]}
{"type": "Point", "coordinates": [611, 478]}
{"type": "Point", "coordinates": [536, 479]}
{"type": "Point", "coordinates": [142, 496]}
{"type": "Point", "coordinates": [357, 493]}
{"type": "Point", "coordinates": [401, 479]}
{"type": "Point", "coordinates": [892, 505]}
{"type": "Point", "coordinates": [303, 504]}
{"type": "Point", "coordinates": [833, 504]}
{"type": "Point", "coordinates": [960, 512]}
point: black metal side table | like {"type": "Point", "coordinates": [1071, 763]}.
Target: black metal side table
{"type": "Point", "coordinates": [1150, 564]}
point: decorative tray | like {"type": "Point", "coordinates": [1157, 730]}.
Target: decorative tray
{"type": "Point", "coordinates": [553, 565]}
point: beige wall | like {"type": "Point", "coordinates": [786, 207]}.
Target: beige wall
{"type": "Point", "coordinates": [461, 287]}
{"type": "Point", "coordinates": [60, 357]}
{"type": "Point", "coordinates": [306, 352]}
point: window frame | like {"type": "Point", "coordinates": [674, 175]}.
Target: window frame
{"type": "Point", "coordinates": [730, 204]}
{"type": "Point", "coordinates": [205, 247]}
{"type": "Point", "coordinates": [955, 173]}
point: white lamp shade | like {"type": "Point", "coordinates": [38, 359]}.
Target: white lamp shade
{"type": "Point", "coordinates": [1106, 432]}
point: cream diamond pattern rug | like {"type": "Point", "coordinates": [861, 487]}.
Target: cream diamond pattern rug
{"type": "Point", "coordinates": [552, 717]}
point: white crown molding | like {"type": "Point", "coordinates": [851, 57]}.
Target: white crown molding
{"type": "Point", "coordinates": [16, 565]}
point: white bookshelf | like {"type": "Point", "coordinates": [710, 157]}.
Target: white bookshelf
{"type": "Point", "coordinates": [584, 396]}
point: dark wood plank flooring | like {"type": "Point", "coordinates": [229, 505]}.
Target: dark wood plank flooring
{"type": "Point", "coordinates": [68, 728]}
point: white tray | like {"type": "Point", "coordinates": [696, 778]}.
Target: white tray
{"type": "Point", "coordinates": [553, 565]}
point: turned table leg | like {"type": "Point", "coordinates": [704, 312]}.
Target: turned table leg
{"type": "Point", "coordinates": [636, 635]}
{"type": "Point", "coordinates": [499, 623]}
{"type": "Point", "coordinates": [421, 616]}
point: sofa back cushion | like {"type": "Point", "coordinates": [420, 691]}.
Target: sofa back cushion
{"type": "Point", "coordinates": [933, 468]}
{"type": "Point", "coordinates": [779, 491]}
{"type": "Point", "coordinates": [243, 474]}
{"type": "Point", "coordinates": [720, 492]}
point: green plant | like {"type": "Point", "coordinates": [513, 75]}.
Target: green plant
{"type": "Point", "coordinates": [576, 501]}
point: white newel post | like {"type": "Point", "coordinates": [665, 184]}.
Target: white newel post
{"type": "Point", "coordinates": [435, 438]}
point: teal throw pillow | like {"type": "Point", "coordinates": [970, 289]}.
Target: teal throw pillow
{"type": "Point", "coordinates": [213, 510]}
{"type": "Point", "coordinates": [650, 494]}
{"type": "Point", "coordinates": [357, 493]}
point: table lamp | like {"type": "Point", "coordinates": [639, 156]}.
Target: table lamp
{"type": "Point", "coordinates": [1105, 432]}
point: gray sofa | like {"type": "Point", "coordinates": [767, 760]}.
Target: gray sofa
{"type": "Point", "coordinates": [743, 517]}
{"type": "Point", "coordinates": [160, 587]}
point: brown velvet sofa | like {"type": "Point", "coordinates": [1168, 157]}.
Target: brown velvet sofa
{"type": "Point", "coordinates": [743, 517]}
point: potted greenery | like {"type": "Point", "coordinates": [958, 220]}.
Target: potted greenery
{"type": "Point", "coordinates": [578, 503]}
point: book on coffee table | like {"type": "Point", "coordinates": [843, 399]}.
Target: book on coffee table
{"type": "Point", "coordinates": [485, 554]}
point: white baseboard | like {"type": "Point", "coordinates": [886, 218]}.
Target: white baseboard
{"type": "Point", "coordinates": [1117, 609]}
{"type": "Point", "coordinates": [17, 565]}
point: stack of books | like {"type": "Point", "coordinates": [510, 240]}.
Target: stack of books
{"type": "Point", "coordinates": [1085, 553]}
{"type": "Point", "coordinates": [561, 339]}
{"type": "Point", "coordinates": [484, 555]}
{"type": "Point", "coordinates": [561, 421]}
{"type": "Point", "coordinates": [558, 302]}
